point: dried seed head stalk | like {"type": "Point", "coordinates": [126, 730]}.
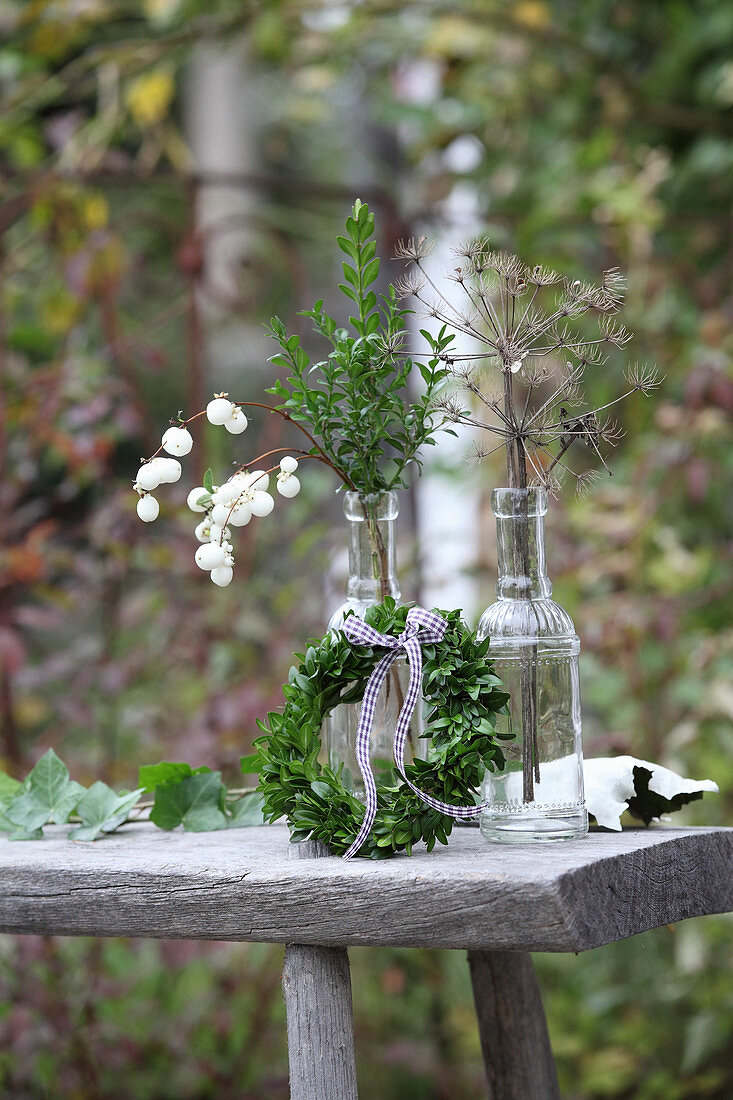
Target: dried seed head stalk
{"type": "Point", "coordinates": [530, 335]}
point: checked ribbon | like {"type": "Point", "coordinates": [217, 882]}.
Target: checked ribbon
{"type": "Point", "coordinates": [421, 627]}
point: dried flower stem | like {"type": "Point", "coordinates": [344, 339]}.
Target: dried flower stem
{"type": "Point", "coordinates": [537, 441]}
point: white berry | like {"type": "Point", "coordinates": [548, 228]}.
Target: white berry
{"type": "Point", "coordinates": [222, 575]}
{"type": "Point", "coordinates": [258, 479]}
{"type": "Point", "coordinates": [288, 464]}
{"type": "Point", "coordinates": [148, 476]}
{"type": "Point", "coordinates": [177, 441]}
{"type": "Point", "coordinates": [220, 513]}
{"type": "Point", "coordinates": [288, 486]}
{"type": "Point", "coordinates": [203, 531]}
{"type": "Point", "coordinates": [229, 492]}
{"type": "Point", "coordinates": [194, 496]}
{"type": "Point", "coordinates": [148, 508]}
{"type": "Point", "coordinates": [262, 504]}
{"type": "Point", "coordinates": [217, 533]}
{"type": "Point", "coordinates": [241, 515]}
{"type": "Point", "coordinates": [209, 555]}
{"type": "Point", "coordinates": [219, 410]}
{"type": "Point", "coordinates": [169, 469]}
{"type": "Point", "coordinates": [237, 422]}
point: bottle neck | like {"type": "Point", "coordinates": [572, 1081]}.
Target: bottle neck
{"type": "Point", "coordinates": [520, 531]}
{"type": "Point", "coordinates": [371, 520]}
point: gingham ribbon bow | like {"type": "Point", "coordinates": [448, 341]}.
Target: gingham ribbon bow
{"type": "Point", "coordinates": [421, 627]}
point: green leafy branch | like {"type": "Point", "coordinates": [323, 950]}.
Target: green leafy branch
{"type": "Point", "coordinates": [356, 401]}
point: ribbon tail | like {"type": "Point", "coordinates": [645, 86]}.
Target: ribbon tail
{"type": "Point", "coordinates": [363, 747]}
{"type": "Point", "coordinates": [414, 656]}
{"type": "Point", "coordinates": [460, 813]}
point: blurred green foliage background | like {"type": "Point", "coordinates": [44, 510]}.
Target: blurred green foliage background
{"type": "Point", "coordinates": [585, 134]}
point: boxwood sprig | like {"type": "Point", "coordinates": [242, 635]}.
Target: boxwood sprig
{"type": "Point", "coordinates": [356, 401]}
{"type": "Point", "coordinates": [463, 698]}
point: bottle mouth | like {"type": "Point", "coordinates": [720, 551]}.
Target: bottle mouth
{"type": "Point", "coordinates": [359, 507]}
{"type": "Point", "coordinates": [519, 503]}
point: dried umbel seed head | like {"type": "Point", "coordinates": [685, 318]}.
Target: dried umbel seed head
{"type": "Point", "coordinates": [413, 249]}
{"type": "Point", "coordinates": [644, 378]}
{"type": "Point", "coordinates": [410, 285]}
{"type": "Point", "coordinates": [527, 334]}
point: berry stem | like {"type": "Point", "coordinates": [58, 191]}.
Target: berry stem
{"type": "Point", "coordinates": [321, 453]}
{"type": "Point", "coordinates": [274, 451]}
{"type": "Point", "coordinates": [321, 456]}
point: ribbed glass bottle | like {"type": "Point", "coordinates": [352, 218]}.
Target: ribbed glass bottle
{"type": "Point", "coordinates": [539, 795]}
{"type": "Point", "coordinates": [372, 522]}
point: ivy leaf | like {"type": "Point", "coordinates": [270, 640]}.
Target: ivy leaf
{"type": "Point", "coordinates": [26, 834]}
{"type": "Point", "coordinates": [8, 789]}
{"type": "Point", "coordinates": [164, 773]}
{"type": "Point", "coordinates": [102, 810]}
{"type": "Point", "coordinates": [247, 811]}
{"type": "Point", "coordinates": [196, 802]}
{"type": "Point", "coordinates": [46, 795]}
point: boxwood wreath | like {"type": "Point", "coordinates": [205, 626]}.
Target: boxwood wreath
{"type": "Point", "coordinates": [463, 697]}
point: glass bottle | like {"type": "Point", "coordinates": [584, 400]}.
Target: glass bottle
{"type": "Point", "coordinates": [371, 519]}
{"type": "Point", "coordinates": [539, 794]}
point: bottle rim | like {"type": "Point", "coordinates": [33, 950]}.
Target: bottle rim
{"type": "Point", "coordinates": [381, 506]}
{"type": "Point", "coordinates": [519, 503]}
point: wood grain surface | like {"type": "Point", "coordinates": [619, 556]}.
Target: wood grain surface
{"type": "Point", "coordinates": [317, 991]}
{"type": "Point", "coordinates": [245, 885]}
{"type": "Point", "coordinates": [512, 1027]}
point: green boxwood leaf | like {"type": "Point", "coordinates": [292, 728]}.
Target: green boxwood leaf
{"type": "Point", "coordinates": [250, 764]}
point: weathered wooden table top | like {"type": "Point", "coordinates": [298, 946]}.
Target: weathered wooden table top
{"type": "Point", "coordinates": [245, 885]}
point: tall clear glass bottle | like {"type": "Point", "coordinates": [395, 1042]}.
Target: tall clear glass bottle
{"type": "Point", "coordinates": [539, 796]}
{"type": "Point", "coordinates": [372, 576]}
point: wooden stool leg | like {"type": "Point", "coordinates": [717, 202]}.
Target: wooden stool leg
{"type": "Point", "coordinates": [317, 989]}
{"type": "Point", "coordinates": [512, 1027]}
